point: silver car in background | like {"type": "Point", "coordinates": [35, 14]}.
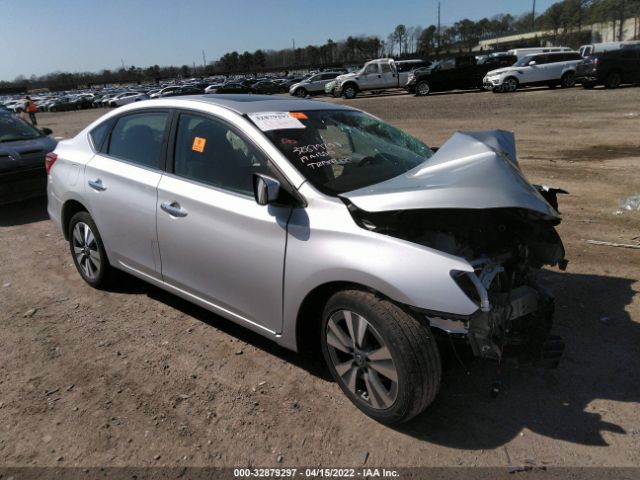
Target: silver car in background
{"type": "Point", "coordinates": [320, 227]}
{"type": "Point", "coordinates": [313, 85]}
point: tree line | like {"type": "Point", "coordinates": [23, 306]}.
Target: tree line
{"type": "Point", "coordinates": [564, 19]}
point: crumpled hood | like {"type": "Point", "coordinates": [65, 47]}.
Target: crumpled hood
{"type": "Point", "coordinates": [472, 170]}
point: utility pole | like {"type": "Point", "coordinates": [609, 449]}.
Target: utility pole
{"type": "Point", "coordinates": [204, 60]}
{"type": "Point", "coordinates": [438, 27]}
{"type": "Point", "coordinates": [294, 44]}
{"type": "Point", "coordinates": [533, 17]}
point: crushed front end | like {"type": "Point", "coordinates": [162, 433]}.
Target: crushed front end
{"type": "Point", "coordinates": [507, 248]}
{"type": "Point", "coordinates": [472, 200]}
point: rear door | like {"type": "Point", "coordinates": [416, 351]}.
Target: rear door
{"type": "Point", "coordinates": [121, 182]}
{"type": "Point", "coordinates": [217, 244]}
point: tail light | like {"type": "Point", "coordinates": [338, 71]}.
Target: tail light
{"type": "Point", "coordinates": [49, 160]}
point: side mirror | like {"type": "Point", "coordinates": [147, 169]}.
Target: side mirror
{"type": "Point", "coordinates": [46, 131]}
{"type": "Point", "coordinates": [266, 189]}
{"type": "Point", "coordinates": [532, 62]}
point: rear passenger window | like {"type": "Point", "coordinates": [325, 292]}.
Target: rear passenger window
{"type": "Point", "coordinates": [99, 135]}
{"type": "Point", "coordinates": [208, 151]}
{"type": "Point", "coordinates": [138, 138]}
{"type": "Point", "coordinates": [386, 68]}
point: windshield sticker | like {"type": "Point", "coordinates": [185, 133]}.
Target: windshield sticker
{"type": "Point", "coordinates": [299, 115]}
{"type": "Point", "coordinates": [198, 144]}
{"type": "Point", "coordinates": [266, 121]}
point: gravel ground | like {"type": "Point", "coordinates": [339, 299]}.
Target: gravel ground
{"type": "Point", "coordinates": [136, 376]}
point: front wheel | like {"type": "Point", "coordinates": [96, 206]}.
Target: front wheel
{"type": "Point", "coordinates": [423, 88]}
{"type": "Point", "coordinates": [613, 80]}
{"type": "Point", "coordinates": [510, 85]}
{"type": "Point", "coordinates": [383, 358]}
{"type": "Point", "coordinates": [350, 92]}
{"type": "Point", "coordinates": [87, 250]}
{"type": "Point", "coordinates": [300, 92]}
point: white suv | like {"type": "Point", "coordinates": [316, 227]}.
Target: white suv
{"type": "Point", "coordinates": [550, 69]}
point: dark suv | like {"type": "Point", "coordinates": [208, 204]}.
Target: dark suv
{"type": "Point", "coordinates": [455, 73]}
{"type": "Point", "coordinates": [610, 68]}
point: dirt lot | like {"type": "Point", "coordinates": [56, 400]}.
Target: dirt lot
{"type": "Point", "coordinates": [136, 376]}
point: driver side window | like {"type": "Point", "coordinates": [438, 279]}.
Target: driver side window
{"type": "Point", "coordinates": [373, 68]}
{"type": "Point", "coordinates": [211, 152]}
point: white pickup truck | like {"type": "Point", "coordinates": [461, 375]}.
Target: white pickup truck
{"type": "Point", "coordinates": [379, 74]}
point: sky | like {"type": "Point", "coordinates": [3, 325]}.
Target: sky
{"type": "Point", "coordinates": [42, 36]}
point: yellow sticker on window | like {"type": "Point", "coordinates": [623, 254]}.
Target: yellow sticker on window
{"type": "Point", "coordinates": [198, 144]}
{"type": "Point", "coordinates": [298, 115]}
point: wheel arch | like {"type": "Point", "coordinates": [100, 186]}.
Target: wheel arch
{"type": "Point", "coordinates": [69, 209]}
{"type": "Point", "coordinates": [309, 317]}
{"type": "Point", "coordinates": [352, 84]}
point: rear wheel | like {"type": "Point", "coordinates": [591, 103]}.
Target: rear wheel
{"type": "Point", "coordinates": [423, 88]}
{"type": "Point", "coordinates": [382, 357]}
{"type": "Point", "coordinates": [300, 92]}
{"type": "Point", "coordinates": [568, 80]}
{"type": "Point", "coordinates": [87, 250]}
{"type": "Point", "coordinates": [613, 80]}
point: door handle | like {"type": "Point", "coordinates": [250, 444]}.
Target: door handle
{"type": "Point", "coordinates": [174, 209]}
{"type": "Point", "coordinates": [97, 185]}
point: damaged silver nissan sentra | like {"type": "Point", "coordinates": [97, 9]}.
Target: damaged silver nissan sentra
{"type": "Point", "coordinates": [319, 224]}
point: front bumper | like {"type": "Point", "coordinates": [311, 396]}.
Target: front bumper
{"type": "Point", "coordinates": [491, 82]}
{"type": "Point", "coordinates": [516, 323]}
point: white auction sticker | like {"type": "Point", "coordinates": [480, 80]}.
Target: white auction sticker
{"type": "Point", "coordinates": [266, 121]}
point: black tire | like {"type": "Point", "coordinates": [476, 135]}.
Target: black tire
{"type": "Point", "coordinates": [105, 271]}
{"type": "Point", "coordinates": [510, 84]}
{"type": "Point", "coordinates": [412, 348]}
{"type": "Point", "coordinates": [349, 91]}
{"type": "Point", "coordinates": [300, 92]}
{"type": "Point", "coordinates": [568, 80]}
{"type": "Point", "coordinates": [423, 88]}
{"type": "Point", "coordinates": [613, 80]}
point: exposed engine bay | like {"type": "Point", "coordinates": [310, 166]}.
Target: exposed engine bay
{"type": "Point", "coordinates": [507, 247]}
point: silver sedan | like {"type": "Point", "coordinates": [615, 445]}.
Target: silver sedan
{"type": "Point", "coordinates": [322, 228]}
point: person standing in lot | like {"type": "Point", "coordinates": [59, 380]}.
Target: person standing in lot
{"type": "Point", "coordinates": [31, 110]}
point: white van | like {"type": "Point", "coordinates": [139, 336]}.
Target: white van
{"type": "Point", "coordinates": [523, 52]}
{"type": "Point", "coordinates": [590, 49]}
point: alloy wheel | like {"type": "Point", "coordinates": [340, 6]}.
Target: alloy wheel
{"type": "Point", "coordinates": [85, 249]}
{"type": "Point", "coordinates": [423, 88]}
{"type": "Point", "coordinates": [510, 85]}
{"type": "Point", "coordinates": [362, 360]}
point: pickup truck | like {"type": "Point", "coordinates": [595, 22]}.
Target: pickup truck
{"type": "Point", "coordinates": [379, 74]}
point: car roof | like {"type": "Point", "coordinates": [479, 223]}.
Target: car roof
{"type": "Point", "coordinates": [249, 103]}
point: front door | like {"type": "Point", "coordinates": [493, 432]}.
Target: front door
{"type": "Point", "coordinates": [216, 242]}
